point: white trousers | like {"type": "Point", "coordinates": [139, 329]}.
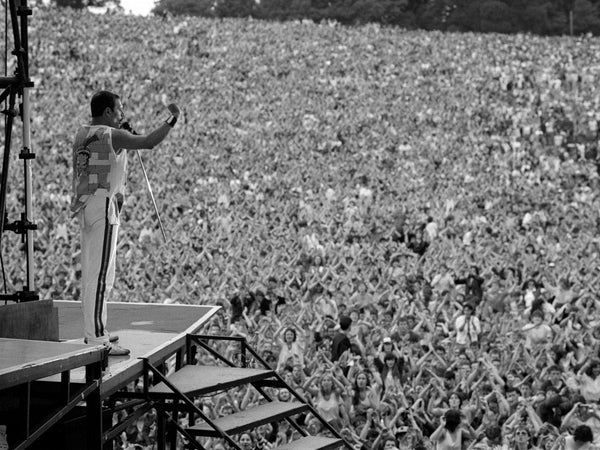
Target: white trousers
{"type": "Point", "coordinates": [98, 249]}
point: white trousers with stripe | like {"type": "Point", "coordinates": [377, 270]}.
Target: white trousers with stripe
{"type": "Point", "coordinates": [98, 249]}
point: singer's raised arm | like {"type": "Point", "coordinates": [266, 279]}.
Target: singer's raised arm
{"type": "Point", "coordinates": [128, 139]}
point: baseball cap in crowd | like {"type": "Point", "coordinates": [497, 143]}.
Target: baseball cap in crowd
{"type": "Point", "coordinates": [387, 340]}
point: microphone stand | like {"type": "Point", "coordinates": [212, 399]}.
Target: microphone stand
{"type": "Point", "coordinates": [127, 126]}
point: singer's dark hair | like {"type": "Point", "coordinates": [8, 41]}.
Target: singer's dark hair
{"type": "Point", "coordinates": [102, 100]}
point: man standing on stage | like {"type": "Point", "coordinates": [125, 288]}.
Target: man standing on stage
{"type": "Point", "coordinates": [99, 177]}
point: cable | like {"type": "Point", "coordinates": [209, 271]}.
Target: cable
{"type": "Point", "coordinates": [5, 37]}
{"type": "Point", "coordinates": [3, 275]}
{"type": "Point", "coordinates": [5, 124]}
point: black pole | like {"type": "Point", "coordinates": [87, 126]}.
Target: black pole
{"type": "Point", "coordinates": [6, 160]}
{"type": "Point", "coordinates": [18, 85]}
{"type": "Point", "coordinates": [18, 51]}
{"type": "Point", "coordinates": [24, 12]}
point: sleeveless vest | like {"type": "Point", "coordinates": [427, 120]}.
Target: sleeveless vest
{"type": "Point", "coordinates": [97, 168]}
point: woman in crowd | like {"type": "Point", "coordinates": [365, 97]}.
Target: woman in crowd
{"type": "Point", "coordinates": [450, 435]}
{"type": "Point", "coordinates": [291, 350]}
{"type": "Point", "coordinates": [363, 396]}
{"type": "Point", "coordinates": [522, 439]}
{"type": "Point", "coordinates": [328, 398]}
{"type": "Point", "coordinates": [589, 380]}
{"type": "Point", "coordinates": [391, 374]}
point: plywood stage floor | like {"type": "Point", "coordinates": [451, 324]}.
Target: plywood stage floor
{"type": "Point", "coordinates": [148, 330]}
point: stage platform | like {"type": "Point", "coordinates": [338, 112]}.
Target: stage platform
{"type": "Point", "coordinates": [83, 407]}
{"type": "Point", "coordinates": [43, 382]}
{"type": "Point", "coordinates": [22, 361]}
{"type": "Point", "coordinates": [149, 330]}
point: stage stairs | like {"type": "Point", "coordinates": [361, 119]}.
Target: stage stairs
{"type": "Point", "coordinates": [173, 396]}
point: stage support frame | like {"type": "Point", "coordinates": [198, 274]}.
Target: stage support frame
{"type": "Point", "coordinates": [18, 86]}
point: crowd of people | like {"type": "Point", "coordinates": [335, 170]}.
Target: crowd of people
{"type": "Point", "coordinates": [403, 223]}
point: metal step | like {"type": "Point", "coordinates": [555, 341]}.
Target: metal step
{"type": "Point", "coordinates": [312, 443]}
{"type": "Point", "coordinates": [199, 380]}
{"type": "Point", "coordinates": [250, 418]}
{"type": "Point", "coordinates": [271, 383]}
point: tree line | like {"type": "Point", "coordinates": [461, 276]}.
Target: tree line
{"type": "Point", "coordinates": [543, 17]}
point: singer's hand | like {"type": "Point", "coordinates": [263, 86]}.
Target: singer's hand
{"type": "Point", "coordinates": [174, 109]}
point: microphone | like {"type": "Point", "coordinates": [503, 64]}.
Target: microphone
{"type": "Point", "coordinates": [127, 126]}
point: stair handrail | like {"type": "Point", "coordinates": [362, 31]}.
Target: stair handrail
{"type": "Point", "coordinates": [205, 346]}
{"type": "Point", "coordinates": [118, 428]}
{"type": "Point", "coordinates": [197, 338]}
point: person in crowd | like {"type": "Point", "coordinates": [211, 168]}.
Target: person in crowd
{"type": "Point", "coordinates": [392, 373]}
{"type": "Point", "coordinates": [341, 342]}
{"type": "Point", "coordinates": [247, 442]}
{"type": "Point", "coordinates": [328, 397]}
{"type": "Point", "coordinates": [467, 327]}
{"type": "Point", "coordinates": [473, 284]}
{"type": "Point", "coordinates": [581, 439]}
{"type": "Point", "coordinates": [364, 396]}
{"type": "Point", "coordinates": [554, 406]}
{"type": "Point", "coordinates": [537, 332]}
{"type": "Point", "coordinates": [589, 380]}
{"type": "Point", "coordinates": [290, 349]}
{"type": "Point", "coordinates": [583, 414]}
{"type": "Point", "coordinates": [522, 439]}
{"type": "Point", "coordinates": [450, 434]}
{"type": "Point", "coordinates": [492, 439]}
